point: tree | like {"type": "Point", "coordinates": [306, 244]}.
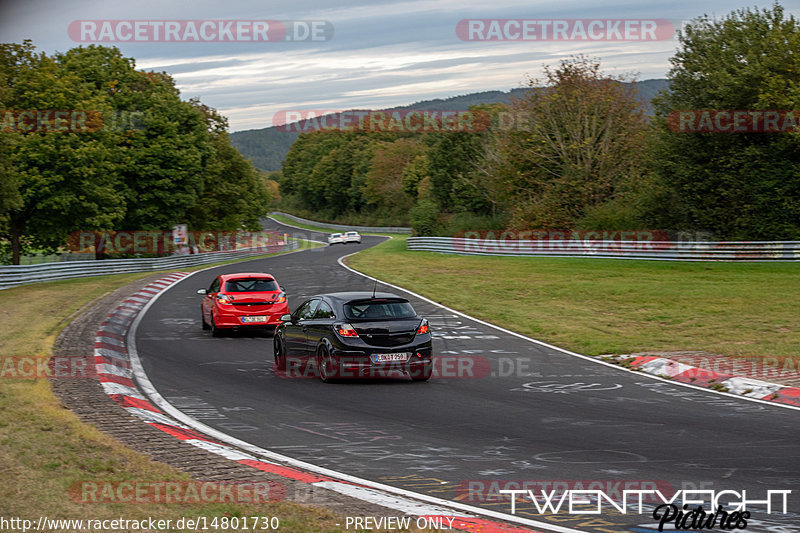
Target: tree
{"type": "Point", "coordinates": [172, 164]}
{"type": "Point", "coordinates": [234, 195]}
{"type": "Point", "coordinates": [735, 185]}
{"type": "Point", "coordinates": [328, 172]}
{"type": "Point", "coordinates": [271, 182]}
{"type": "Point", "coordinates": [298, 167]}
{"type": "Point", "coordinates": [335, 172]}
{"type": "Point", "coordinates": [64, 180]}
{"type": "Point", "coordinates": [384, 184]}
{"type": "Point", "coordinates": [480, 182]}
{"type": "Point", "coordinates": [573, 146]}
{"type": "Point", "coordinates": [10, 197]}
{"type": "Point", "coordinates": [164, 169]}
{"type": "Point", "coordinates": [453, 156]}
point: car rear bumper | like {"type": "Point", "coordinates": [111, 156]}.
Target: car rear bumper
{"type": "Point", "coordinates": [414, 368]}
{"type": "Point", "coordinates": [359, 363]}
{"type": "Point", "coordinates": [234, 320]}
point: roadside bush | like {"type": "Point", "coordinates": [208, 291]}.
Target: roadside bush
{"type": "Point", "coordinates": [424, 218]}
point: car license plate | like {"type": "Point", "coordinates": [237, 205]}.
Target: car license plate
{"type": "Point", "coordinates": [248, 319]}
{"type": "Point", "coordinates": [390, 357]}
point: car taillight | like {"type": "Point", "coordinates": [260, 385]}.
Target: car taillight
{"type": "Point", "coordinates": [224, 298]}
{"type": "Point", "coordinates": [281, 298]}
{"type": "Point", "coordinates": [423, 328]}
{"type": "Point", "coordinates": [346, 330]}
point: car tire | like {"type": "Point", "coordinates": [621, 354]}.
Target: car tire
{"type": "Point", "coordinates": [323, 360]}
{"type": "Point", "coordinates": [203, 321]}
{"type": "Point", "coordinates": [279, 353]}
{"type": "Point", "coordinates": [425, 375]}
{"type": "Point", "coordinates": [215, 331]}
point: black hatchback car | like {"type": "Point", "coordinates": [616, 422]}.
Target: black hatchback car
{"type": "Point", "coordinates": [354, 334]}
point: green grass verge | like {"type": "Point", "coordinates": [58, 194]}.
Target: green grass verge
{"type": "Point", "coordinates": [288, 221]}
{"type": "Point", "coordinates": [45, 448]}
{"type": "Point", "coordinates": [604, 306]}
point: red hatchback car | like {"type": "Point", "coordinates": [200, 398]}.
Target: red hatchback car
{"type": "Point", "coordinates": [247, 299]}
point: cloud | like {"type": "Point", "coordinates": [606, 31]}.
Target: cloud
{"type": "Point", "coordinates": [382, 54]}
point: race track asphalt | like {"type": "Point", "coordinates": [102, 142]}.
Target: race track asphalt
{"type": "Point", "coordinates": [505, 410]}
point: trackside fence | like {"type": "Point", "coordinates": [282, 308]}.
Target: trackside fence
{"type": "Point", "coordinates": [342, 227]}
{"type": "Point", "coordinates": [651, 250]}
{"type": "Point", "coordinates": [13, 275]}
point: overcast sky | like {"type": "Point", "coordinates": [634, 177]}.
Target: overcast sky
{"type": "Point", "coordinates": [381, 54]}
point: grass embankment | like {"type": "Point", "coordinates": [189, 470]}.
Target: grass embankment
{"type": "Point", "coordinates": [45, 448]}
{"type": "Point", "coordinates": [289, 222]}
{"type": "Point", "coordinates": [346, 219]}
{"type": "Point", "coordinates": [603, 306]}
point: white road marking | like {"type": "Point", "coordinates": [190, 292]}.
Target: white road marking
{"type": "Point", "coordinates": [562, 350]}
{"type": "Point", "coordinates": [152, 393]}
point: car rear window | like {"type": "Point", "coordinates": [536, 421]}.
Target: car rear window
{"type": "Point", "coordinates": [251, 285]}
{"type": "Point", "coordinates": [382, 309]}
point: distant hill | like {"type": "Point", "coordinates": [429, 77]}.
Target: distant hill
{"type": "Point", "coordinates": [267, 147]}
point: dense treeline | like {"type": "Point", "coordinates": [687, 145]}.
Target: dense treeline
{"type": "Point", "coordinates": [130, 155]}
{"type": "Point", "coordinates": [267, 147]}
{"type": "Point", "coordinates": [581, 153]}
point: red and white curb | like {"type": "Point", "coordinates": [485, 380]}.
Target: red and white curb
{"type": "Point", "coordinates": [117, 377]}
{"type": "Point", "coordinates": [701, 377]}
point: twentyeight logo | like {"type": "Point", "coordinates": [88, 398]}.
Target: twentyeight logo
{"type": "Point", "coordinates": [162, 31]}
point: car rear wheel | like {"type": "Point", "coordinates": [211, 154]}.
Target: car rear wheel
{"type": "Point", "coordinates": [203, 320]}
{"type": "Point", "coordinates": [424, 375]}
{"type": "Point", "coordinates": [325, 364]}
{"type": "Point", "coordinates": [279, 352]}
{"type": "Point", "coordinates": [215, 331]}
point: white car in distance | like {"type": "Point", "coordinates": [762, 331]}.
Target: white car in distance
{"type": "Point", "coordinates": [335, 238]}
{"type": "Point", "coordinates": [351, 236]}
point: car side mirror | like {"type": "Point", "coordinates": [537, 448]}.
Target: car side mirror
{"type": "Point", "coordinates": [286, 318]}
{"type": "Point", "coordinates": [202, 291]}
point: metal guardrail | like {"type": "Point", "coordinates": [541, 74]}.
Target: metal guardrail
{"type": "Point", "coordinates": [37, 259]}
{"type": "Point", "coordinates": [342, 227]}
{"type": "Point", "coordinates": [650, 250]}
{"type": "Point", "coordinates": [13, 275]}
